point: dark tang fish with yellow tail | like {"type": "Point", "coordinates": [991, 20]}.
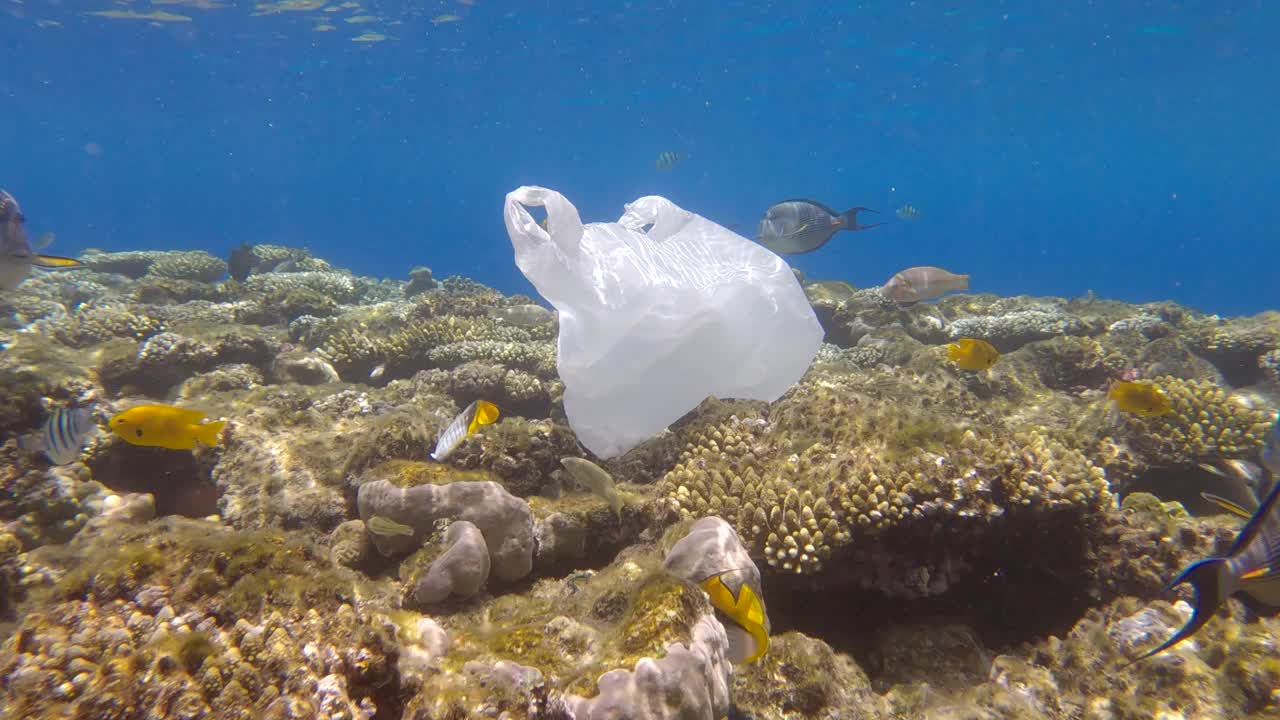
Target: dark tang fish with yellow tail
{"type": "Point", "coordinates": [17, 254]}
{"type": "Point", "coordinates": [1250, 568]}
{"type": "Point", "coordinates": [800, 226]}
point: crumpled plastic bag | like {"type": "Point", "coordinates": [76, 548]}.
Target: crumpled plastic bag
{"type": "Point", "coordinates": [658, 311]}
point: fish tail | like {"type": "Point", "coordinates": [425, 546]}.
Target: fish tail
{"type": "Point", "coordinates": [850, 218]}
{"type": "Point", "coordinates": [208, 433]}
{"type": "Point", "coordinates": [1208, 578]}
{"type": "Point", "coordinates": [962, 282]}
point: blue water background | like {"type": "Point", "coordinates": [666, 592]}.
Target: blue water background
{"type": "Point", "coordinates": [1051, 148]}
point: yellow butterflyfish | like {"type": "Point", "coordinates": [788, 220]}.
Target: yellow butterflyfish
{"type": "Point", "coordinates": [480, 412]}
{"type": "Point", "coordinates": [972, 354]}
{"type": "Point", "coordinates": [746, 611]}
{"type": "Point", "coordinates": [1138, 398]}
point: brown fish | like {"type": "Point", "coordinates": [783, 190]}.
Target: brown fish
{"type": "Point", "coordinates": [923, 283]}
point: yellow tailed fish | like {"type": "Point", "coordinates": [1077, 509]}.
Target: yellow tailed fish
{"type": "Point", "coordinates": [480, 412]}
{"type": "Point", "coordinates": [746, 611]}
{"type": "Point", "coordinates": [1227, 505]}
{"type": "Point", "coordinates": [1250, 568]}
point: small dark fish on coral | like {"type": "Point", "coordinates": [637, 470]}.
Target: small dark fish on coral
{"type": "Point", "coordinates": [17, 254]}
{"type": "Point", "coordinates": [1250, 568]}
{"type": "Point", "coordinates": [241, 262]}
{"type": "Point", "coordinates": [923, 283]}
{"type": "Point", "coordinates": [1139, 398]}
{"type": "Point", "coordinates": [972, 354]}
{"type": "Point", "coordinates": [792, 227]}
{"type": "Point", "coordinates": [63, 435]}
{"type": "Point", "coordinates": [668, 160]}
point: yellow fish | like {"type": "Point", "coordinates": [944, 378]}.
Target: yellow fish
{"type": "Point", "coordinates": [1141, 399]}
{"type": "Point", "coordinates": [746, 611]}
{"type": "Point", "coordinates": [972, 354]}
{"type": "Point", "coordinates": [165, 426]}
{"type": "Point", "coordinates": [480, 412]}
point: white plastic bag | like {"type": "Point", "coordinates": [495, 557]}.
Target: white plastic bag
{"type": "Point", "coordinates": [655, 319]}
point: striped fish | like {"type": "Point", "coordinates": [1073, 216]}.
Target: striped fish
{"type": "Point", "coordinates": [1250, 568]}
{"type": "Point", "coordinates": [667, 160]}
{"type": "Point", "coordinates": [63, 435]}
{"type": "Point", "coordinates": [480, 412]}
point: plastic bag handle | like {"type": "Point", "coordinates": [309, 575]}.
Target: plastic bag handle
{"type": "Point", "coordinates": [563, 221]}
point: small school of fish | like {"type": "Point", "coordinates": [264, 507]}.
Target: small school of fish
{"type": "Point", "coordinates": [908, 212]}
{"type": "Point", "coordinates": [668, 160]}
{"type": "Point", "coordinates": [477, 414]}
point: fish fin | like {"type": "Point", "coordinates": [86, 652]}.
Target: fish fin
{"type": "Point", "coordinates": [31, 443]}
{"type": "Point", "coordinates": [850, 218]}
{"type": "Point", "coordinates": [1206, 577]}
{"type": "Point", "coordinates": [42, 242]}
{"type": "Point", "coordinates": [186, 414]}
{"type": "Point", "coordinates": [208, 433]}
{"type": "Point", "coordinates": [54, 262]}
{"type": "Point", "coordinates": [1264, 588]}
{"type": "Point", "coordinates": [1227, 505]}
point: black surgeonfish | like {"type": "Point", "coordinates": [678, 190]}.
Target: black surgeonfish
{"type": "Point", "coordinates": [1250, 567]}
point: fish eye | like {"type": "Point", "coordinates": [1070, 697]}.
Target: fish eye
{"type": "Point", "coordinates": [138, 432]}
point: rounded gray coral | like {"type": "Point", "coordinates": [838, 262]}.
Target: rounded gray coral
{"type": "Point", "coordinates": [503, 519]}
{"type": "Point", "coordinates": [461, 571]}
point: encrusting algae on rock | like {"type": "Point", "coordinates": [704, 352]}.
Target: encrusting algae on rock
{"type": "Point", "coordinates": [924, 540]}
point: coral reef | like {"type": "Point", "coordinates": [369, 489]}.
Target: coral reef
{"type": "Point", "coordinates": [929, 542]}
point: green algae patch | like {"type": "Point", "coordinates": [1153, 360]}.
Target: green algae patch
{"type": "Point", "coordinates": [232, 573]}
{"type": "Point", "coordinates": [109, 575]}
{"type": "Point", "coordinates": [411, 473]}
{"type": "Point", "coordinates": [611, 623]}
